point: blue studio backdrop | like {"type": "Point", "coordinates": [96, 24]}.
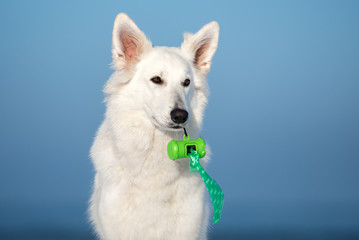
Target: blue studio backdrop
{"type": "Point", "coordinates": [282, 119]}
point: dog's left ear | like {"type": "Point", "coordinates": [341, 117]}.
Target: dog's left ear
{"type": "Point", "coordinates": [202, 46]}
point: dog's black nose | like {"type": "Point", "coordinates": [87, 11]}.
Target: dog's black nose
{"type": "Point", "coordinates": [179, 115]}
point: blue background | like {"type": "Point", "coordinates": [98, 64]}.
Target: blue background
{"type": "Point", "coordinates": [283, 117]}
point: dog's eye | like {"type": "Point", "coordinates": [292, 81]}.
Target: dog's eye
{"type": "Point", "coordinates": [186, 82]}
{"type": "Point", "coordinates": [157, 80]}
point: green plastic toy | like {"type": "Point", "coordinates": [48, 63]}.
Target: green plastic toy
{"type": "Point", "coordinates": [195, 149]}
{"type": "Point", "coordinates": [181, 149]}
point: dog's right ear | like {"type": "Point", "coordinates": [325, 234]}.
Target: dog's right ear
{"type": "Point", "coordinates": [128, 43]}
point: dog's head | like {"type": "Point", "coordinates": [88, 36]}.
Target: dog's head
{"type": "Point", "coordinates": [169, 84]}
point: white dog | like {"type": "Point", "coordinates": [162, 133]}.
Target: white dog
{"type": "Point", "coordinates": [139, 193]}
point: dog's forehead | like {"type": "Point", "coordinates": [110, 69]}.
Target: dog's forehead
{"type": "Point", "coordinates": [167, 60]}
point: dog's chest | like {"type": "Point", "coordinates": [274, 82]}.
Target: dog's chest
{"type": "Point", "coordinates": [153, 196]}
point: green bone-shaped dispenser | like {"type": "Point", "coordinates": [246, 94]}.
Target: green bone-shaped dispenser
{"type": "Point", "coordinates": [182, 149]}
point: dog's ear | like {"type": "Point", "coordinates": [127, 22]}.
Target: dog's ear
{"type": "Point", "coordinates": [128, 42]}
{"type": "Point", "coordinates": [202, 46]}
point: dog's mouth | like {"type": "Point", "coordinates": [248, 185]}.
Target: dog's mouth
{"type": "Point", "coordinates": [177, 127]}
{"type": "Point", "coordinates": [169, 126]}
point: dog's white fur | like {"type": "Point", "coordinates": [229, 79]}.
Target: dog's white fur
{"type": "Point", "coordinates": [139, 193]}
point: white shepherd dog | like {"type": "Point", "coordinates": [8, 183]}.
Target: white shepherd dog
{"type": "Point", "coordinates": [139, 193]}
